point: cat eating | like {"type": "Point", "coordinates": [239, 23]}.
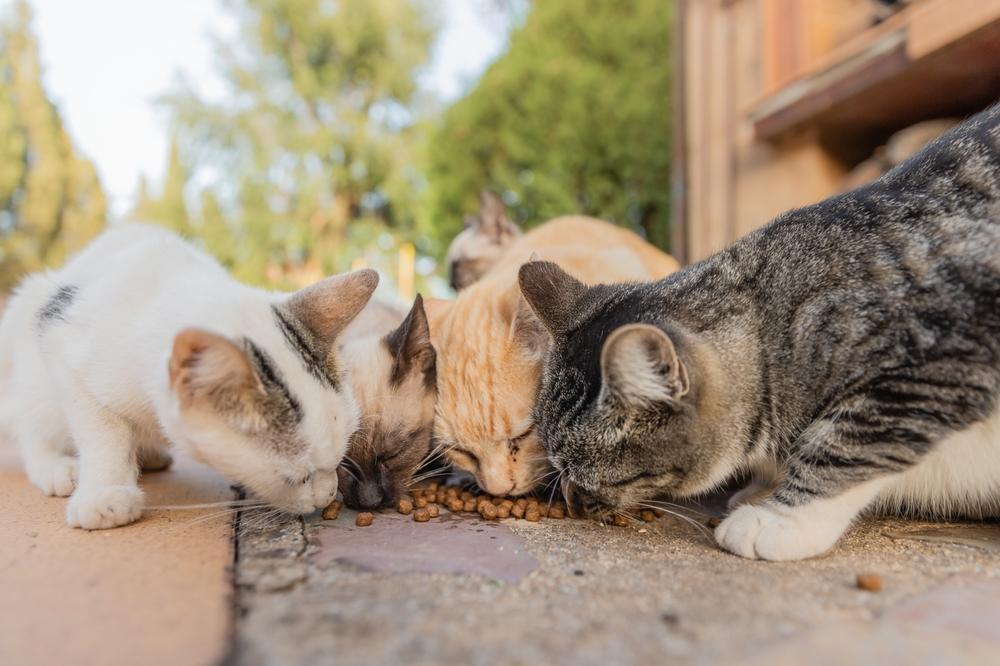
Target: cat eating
{"type": "Point", "coordinates": [142, 341]}
{"type": "Point", "coordinates": [852, 345]}
{"type": "Point", "coordinates": [392, 369]}
{"type": "Point", "coordinates": [490, 349]}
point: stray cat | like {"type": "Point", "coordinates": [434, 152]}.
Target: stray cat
{"type": "Point", "coordinates": [854, 345]}
{"type": "Point", "coordinates": [480, 245]}
{"type": "Point", "coordinates": [391, 363]}
{"type": "Point", "coordinates": [142, 340]}
{"type": "Point", "coordinates": [491, 348]}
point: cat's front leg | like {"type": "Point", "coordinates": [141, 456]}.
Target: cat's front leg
{"type": "Point", "coordinates": [107, 494]}
{"type": "Point", "coordinates": [776, 531]}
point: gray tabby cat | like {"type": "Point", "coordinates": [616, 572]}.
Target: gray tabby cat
{"type": "Point", "coordinates": [851, 347]}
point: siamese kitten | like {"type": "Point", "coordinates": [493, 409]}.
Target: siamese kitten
{"type": "Point", "coordinates": [142, 341]}
{"type": "Point", "coordinates": [477, 249]}
{"type": "Point", "coordinates": [491, 348]}
{"type": "Point", "coordinates": [853, 344]}
{"type": "Point", "coordinates": [392, 369]}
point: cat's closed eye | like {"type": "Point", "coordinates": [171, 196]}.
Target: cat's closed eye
{"type": "Point", "coordinates": [293, 481]}
{"type": "Point", "coordinates": [467, 455]}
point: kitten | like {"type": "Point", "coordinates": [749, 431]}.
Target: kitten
{"type": "Point", "coordinates": [854, 343]}
{"type": "Point", "coordinates": [391, 364]}
{"type": "Point", "coordinates": [141, 341]}
{"type": "Point", "coordinates": [480, 245]}
{"type": "Point", "coordinates": [491, 348]}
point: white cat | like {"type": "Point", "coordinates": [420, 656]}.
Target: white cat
{"type": "Point", "coordinates": [141, 341]}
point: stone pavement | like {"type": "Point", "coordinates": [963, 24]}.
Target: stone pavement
{"type": "Point", "coordinates": [591, 594]}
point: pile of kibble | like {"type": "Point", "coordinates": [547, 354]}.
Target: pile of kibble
{"type": "Point", "coordinates": [426, 502]}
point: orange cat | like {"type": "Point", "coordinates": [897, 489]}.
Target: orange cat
{"type": "Point", "coordinates": [491, 348]}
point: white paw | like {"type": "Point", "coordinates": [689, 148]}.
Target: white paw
{"type": "Point", "coordinates": [104, 507]}
{"type": "Point", "coordinates": [324, 487]}
{"type": "Point", "coordinates": [772, 532]}
{"type": "Point", "coordinates": [56, 476]}
{"type": "Point", "coordinates": [154, 460]}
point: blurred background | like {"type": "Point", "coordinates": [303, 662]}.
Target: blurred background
{"type": "Point", "coordinates": [296, 138]}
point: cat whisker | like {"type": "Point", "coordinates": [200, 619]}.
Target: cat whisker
{"type": "Point", "coordinates": [244, 503]}
{"type": "Point", "coordinates": [687, 519]}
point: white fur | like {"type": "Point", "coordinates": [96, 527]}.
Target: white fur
{"type": "Point", "coordinates": [89, 396]}
{"type": "Point", "coordinates": [960, 477]}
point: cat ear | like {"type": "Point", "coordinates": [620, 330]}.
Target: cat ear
{"type": "Point", "coordinates": [204, 364]}
{"type": "Point", "coordinates": [327, 307]}
{"type": "Point", "coordinates": [410, 345]}
{"type": "Point", "coordinates": [551, 292]}
{"type": "Point", "coordinates": [525, 327]}
{"type": "Point", "coordinates": [639, 365]}
{"type": "Point", "coordinates": [493, 217]}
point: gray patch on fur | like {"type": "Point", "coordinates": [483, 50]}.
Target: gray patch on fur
{"type": "Point", "coordinates": [317, 357]}
{"type": "Point", "coordinates": [55, 308]}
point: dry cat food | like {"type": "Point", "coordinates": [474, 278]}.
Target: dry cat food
{"type": "Point", "coordinates": [364, 519]}
{"type": "Point", "coordinates": [332, 510]}
{"type": "Point", "coordinates": [405, 506]}
{"type": "Point", "coordinates": [421, 515]}
{"type": "Point", "coordinates": [869, 582]}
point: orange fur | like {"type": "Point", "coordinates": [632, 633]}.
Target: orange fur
{"type": "Point", "coordinates": [490, 356]}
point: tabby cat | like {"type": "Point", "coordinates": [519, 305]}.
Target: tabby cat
{"type": "Point", "coordinates": [853, 344]}
{"type": "Point", "coordinates": [491, 348]}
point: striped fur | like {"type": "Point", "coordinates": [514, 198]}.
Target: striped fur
{"type": "Point", "coordinates": [852, 343]}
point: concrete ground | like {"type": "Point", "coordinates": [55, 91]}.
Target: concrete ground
{"type": "Point", "coordinates": [176, 588]}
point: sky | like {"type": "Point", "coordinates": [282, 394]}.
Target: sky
{"type": "Point", "coordinates": [106, 61]}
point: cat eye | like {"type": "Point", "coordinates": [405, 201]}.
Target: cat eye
{"type": "Point", "coordinates": [298, 480]}
{"type": "Point", "coordinates": [519, 438]}
{"type": "Point", "coordinates": [468, 454]}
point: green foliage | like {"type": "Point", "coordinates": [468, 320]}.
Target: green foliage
{"type": "Point", "coordinates": [51, 200]}
{"type": "Point", "coordinates": [574, 118]}
{"type": "Point", "coordinates": [308, 139]}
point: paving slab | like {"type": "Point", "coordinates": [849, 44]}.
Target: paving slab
{"type": "Point", "coordinates": [156, 592]}
{"type": "Point", "coordinates": [647, 594]}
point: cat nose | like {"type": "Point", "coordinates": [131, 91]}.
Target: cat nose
{"type": "Point", "coordinates": [370, 495]}
{"type": "Point", "coordinates": [579, 502]}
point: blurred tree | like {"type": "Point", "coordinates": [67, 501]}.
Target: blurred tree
{"type": "Point", "coordinates": [309, 136]}
{"type": "Point", "coordinates": [51, 200]}
{"type": "Point", "coordinates": [574, 117]}
{"type": "Point", "coordinates": [168, 208]}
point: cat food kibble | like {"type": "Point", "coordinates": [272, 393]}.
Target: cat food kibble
{"type": "Point", "coordinates": [647, 516]}
{"type": "Point", "coordinates": [488, 511]}
{"type": "Point", "coordinates": [364, 519]}
{"type": "Point", "coordinates": [517, 511]}
{"type": "Point", "coordinates": [332, 510]}
{"type": "Point", "coordinates": [503, 511]}
{"type": "Point", "coordinates": [532, 514]}
{"type": "Point", "coordinates": [620, 520]}
{"type": "Point", "coordinates": [405, 506]}
{"type": "Point", "coordinates": [455, 505]}
{"type": "Point", "coordinates": [557, 512]}
{"type": "Point", "coordinates": [469, 505]}
{"type": "Point", "coordinates": [869, 582]}
{"type": "Point", "coordinates": [421, 515]}
{"type": "Point", "coordinates": [433, 510]}
{"type": "Point", "coordinates": [420, 502]}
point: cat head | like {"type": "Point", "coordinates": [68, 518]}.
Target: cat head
{"type": "Point", "coordinates": [490, 351]}
{"type": "Point", "coordinates": [270, 408]}
{"type": "Point", "coordinates": [480, 245]}
{"type": "Point", "coordinates": [394, 383]}
{"type": "Point", "coordinates": [627, 406]}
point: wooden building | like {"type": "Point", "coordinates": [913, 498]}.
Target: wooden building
{"type": "Point", "coordinates": [779, 101]}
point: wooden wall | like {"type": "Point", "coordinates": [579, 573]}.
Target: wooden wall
{"type": "Point", "coordinates": [779, 99]}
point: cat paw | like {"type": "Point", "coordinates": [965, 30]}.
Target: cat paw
{"type": "Point", "coordinates": [104, 507]}
{"type": "Point", "coordinates": [776, 533]}
{"type": "Point", "coordinates": [154, 460]}
{"type": "Point", "coordinates": [56, 477]}
{"type": "Point", "coordinates": [324, 488]}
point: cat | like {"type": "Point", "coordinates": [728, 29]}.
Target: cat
{"type": "Point", "coordinates": [854, 345]}
{"type": "Point", "coordinates": [391, 362]}
{"type": "Point", "coordinates": [475, 250]}
{"type": "Point", "coordinates": [491, 347]}
{"type": "Point", "coordinates": [142, 340]}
